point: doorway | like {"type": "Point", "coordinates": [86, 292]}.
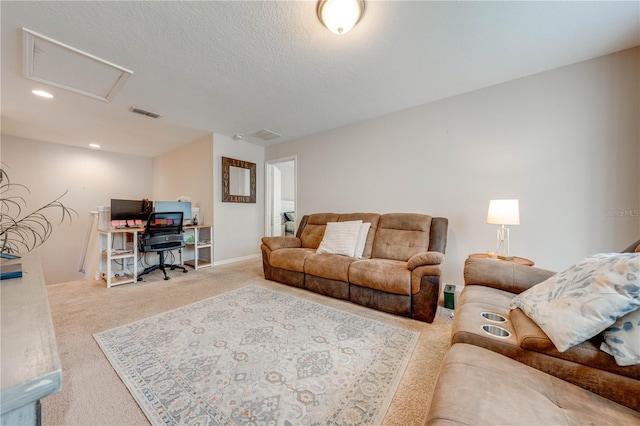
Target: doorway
{"type": "Point", "coordinates": [280, 197]}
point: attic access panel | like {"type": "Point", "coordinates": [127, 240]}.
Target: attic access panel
{"type": "Point", "coordinates": [50, 62]}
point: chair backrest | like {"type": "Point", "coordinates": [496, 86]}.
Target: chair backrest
{"type": "Point", "coordinates": [163, 231]}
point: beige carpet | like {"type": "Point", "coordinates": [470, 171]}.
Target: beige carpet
{"type": "Point", "coordinates": [93, 394]}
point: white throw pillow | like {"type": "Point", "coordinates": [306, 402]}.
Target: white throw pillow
{"type": "Point", "coordinates": [340, 238]}
{"type": "Point", "coordinates": [622, 339]}
{"type": "Point", "coordinates": [362, 239]}
{"type": "Point", "coordinates": [580, 302]}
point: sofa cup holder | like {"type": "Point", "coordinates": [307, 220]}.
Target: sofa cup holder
{"type": "Point", "coordinates": [493, 317]}
{"type": "Point", "coordinates": [496, 331]}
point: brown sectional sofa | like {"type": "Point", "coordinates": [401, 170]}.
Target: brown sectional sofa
{"type": "Point", "coordinates": [477, 386]}
{"type": "Point", "coordinates": [520, 378]}
{"type": "Point", "coordinates": [489, 287]}
{"type": "Point", "coordinates": [399, 271]}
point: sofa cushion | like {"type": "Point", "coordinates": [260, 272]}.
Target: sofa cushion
{"type": "Point", "coordinates": [530, 336]}
{"type": "Point", "coordinates": [476, 386]}
{"type": "Point", "coordinates": [291, 259]}
{"type": "Point", "coordinates": [373, 219]}
{"type": "Point", "coordinates": [390, 276]}
{"type": "Point", "coordinates": [580, 302]}
{"type": "Point", "coordinates": [330, 266]}
{"type": "Point", "coordinates": [314, 229]}
{"type": "Point", "coordinates": [340, 238]}
{"type": "Point", "coordinates": [401, 235]}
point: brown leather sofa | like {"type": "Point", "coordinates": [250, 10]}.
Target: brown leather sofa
{"type": "Point", "coordinates": [511, 373]}
{"type": "Point", "coordinates": [477, 386]}
{"type": "Point", "coordinates": [490, 285]}
{"type": "Point", "coordinates": [399, 271]}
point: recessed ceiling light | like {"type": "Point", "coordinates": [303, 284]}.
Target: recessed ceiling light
{"type": "Point", "coordinates": [42, 93]}
{"type": "Point", "coordinates": [94, 145]}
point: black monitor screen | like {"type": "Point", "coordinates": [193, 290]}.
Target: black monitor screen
{"type": "Point", "coordinates": [130, 209]}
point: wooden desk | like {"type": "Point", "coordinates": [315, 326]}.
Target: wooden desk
{"type": "Point", "coordinates": [30, 366]}
{"type": "Point", "coordinates": [517, 260]}
{"type": "Point", "coordinates": [119, 249]}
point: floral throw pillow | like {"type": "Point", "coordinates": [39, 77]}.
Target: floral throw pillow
{"type": "Point", "coordinates": [622, 339]}
{"type": "Point", "coordinates": [580, 302]}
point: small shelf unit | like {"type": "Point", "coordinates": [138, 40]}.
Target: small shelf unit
{"type": "Point", "coordinates": [119, 255]}
{"type": "Point", "coordinates": [198, 246]}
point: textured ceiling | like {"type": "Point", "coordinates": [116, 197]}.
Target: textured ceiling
{"type": "Point", "coordinates": [239, 67]}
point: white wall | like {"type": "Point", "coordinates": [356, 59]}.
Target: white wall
{"type": "Point", "coordinates": [288, 189]}
{"type": "Point", "coordinates": [92, 177]}
{"type": "Point", "coordinates": [564, 142]}
{"type": "Point", "coordinates": [238, 227]}
{"type": "Point", "coordinates": [188, 171]}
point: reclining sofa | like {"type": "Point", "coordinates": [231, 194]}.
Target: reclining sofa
{"type": "Point", "coordinates": [504, 369]}
{"type": "Point", "coordinates": [399, 271]}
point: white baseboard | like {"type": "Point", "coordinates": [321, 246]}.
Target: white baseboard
{"type": "Point", "coordinates": [236, 259]}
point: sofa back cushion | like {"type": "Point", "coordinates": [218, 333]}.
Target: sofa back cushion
{"type": "Point", "coordinates": [313, 231]}
{"type": "Point", "coordinates": [401, 235]}
{"type": "Point", "coordinates": [373, 219]}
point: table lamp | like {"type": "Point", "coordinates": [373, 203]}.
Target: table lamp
{"type": "Point", "coordinates": [503, 212]}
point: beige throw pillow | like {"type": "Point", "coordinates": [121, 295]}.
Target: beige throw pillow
{"type": "Point", "coordinates": [340, 238]}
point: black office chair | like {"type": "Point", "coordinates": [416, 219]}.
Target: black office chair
{"type": "Point", "coordinates": [162, 232]}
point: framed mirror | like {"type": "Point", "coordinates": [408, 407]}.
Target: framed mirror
{"type": "Point", "coordinates": [238, 181]}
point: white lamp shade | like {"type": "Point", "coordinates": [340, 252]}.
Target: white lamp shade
{"type": "Point", "coordinates": [340, 16]}
{"type": "Point", "coordinates": [503, 212]}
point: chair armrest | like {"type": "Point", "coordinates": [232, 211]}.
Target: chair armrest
{"type": "Point", "coordinates": [275, 243]}
{"type": "Point", "coordinates": [424, 259]}
{"type": "Point", "coordinates": [502, 275]}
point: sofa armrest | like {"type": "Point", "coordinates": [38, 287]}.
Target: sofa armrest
{"type": "Point", "coordinates": [424, 259]}
{"type": "Point", "coordinates": [502, 275]}
{"type": "Point", "coordinates": [275, 243]}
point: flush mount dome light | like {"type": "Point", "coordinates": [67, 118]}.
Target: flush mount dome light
{"type": "Point", "coordinates": [340, 16]}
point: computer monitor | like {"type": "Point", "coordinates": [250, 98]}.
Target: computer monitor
{"type": "Point", "coordinates": [175, 206]}
{"type": "Point", "coordinates": [127, 210]}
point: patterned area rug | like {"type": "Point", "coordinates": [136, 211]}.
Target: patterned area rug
{"type": "Point", "coordinates": [254, 356]}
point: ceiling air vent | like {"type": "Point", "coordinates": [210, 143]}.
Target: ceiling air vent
{"type": "Point", "coordinates": [266, 135]}
{"type": "Point", "coordinates": [145, 112]}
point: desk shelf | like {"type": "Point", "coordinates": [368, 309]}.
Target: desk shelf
{"type": "Point", "coordinates": [119, 246]}
{"type": "Point", "coordinates": [198, 246]}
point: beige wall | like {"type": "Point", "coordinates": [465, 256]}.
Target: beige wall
{"type": "Point", "coordinates": [564, 142]}
{"type": "Point", "coordinates": [188, 171]}
{"type": "Point", "coordinates": [92, 178]}
{"type": "Point", "coordinates": [238, 227]}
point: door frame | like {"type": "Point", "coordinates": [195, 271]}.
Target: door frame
{"type": "Point", "coordinates": [268, 189]}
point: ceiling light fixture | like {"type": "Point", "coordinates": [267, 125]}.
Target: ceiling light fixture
{"type": "Point", "coordinates": [42, 93]}
{"type": "Point", "coordinates": [94, 145]}
{"type": "Point", "coordinates": [340, 16]}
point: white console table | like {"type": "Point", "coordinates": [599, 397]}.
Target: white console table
{"type": "Point", "coordinates": [30, 368]}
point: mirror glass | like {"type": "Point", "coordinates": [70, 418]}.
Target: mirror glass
{"type": "Point", "coordinates": [238, 181]}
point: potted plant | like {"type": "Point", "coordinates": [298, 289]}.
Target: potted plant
{"type": "Point", "coordinates": [20, 230]}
